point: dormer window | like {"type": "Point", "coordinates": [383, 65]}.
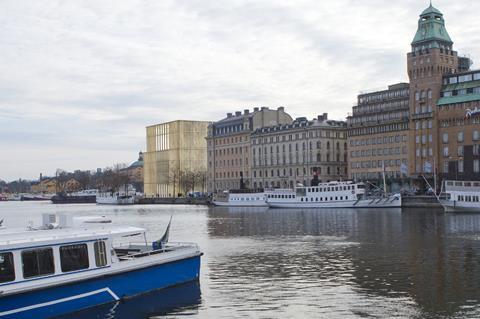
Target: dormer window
{"type": "Point", "coordinates": [438, 18]}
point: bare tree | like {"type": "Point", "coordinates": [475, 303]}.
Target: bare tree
{"type": "Point", "coordinates": [61, 179]}
{"type": "Point", "coordinates": [83, 178]}
{"type": "Point", "coordinates": [173, 178]}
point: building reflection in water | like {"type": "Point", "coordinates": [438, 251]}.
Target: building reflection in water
{"type": "Point", "coordinates": [413, 263]}
{"type": "Point", "coordinates": [184, 299]}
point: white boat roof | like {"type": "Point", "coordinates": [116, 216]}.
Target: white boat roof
{"type": "Point", "coordinates": [11, 238]}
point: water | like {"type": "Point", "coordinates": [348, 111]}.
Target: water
{"type": "Point", "coordinates": [337, 263]}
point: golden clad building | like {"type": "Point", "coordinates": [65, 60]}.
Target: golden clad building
{"type": "Point", "coordinates": [176, 158]}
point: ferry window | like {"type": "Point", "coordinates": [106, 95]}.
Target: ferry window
{"type": "Point", "coordinates": [37, 262]}
{"type": "Point", "coordinates": [74, 257]}
{"type": "Point", "coordinates": [100, 253]}
{"type": "Point", "coordinates": [7, 270]}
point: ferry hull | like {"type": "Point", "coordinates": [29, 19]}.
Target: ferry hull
{"type": "Point", "coordinates": [455, 207]}
{"type": "Point", "coordinates": [239, 204]}
{"type": "Point", "coordinates": [368, 203]}
{"type": "Point", "coordinates": [55, 301]}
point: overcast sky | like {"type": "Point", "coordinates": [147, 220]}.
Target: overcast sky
{"type": "Point", "coordinates": [80, 80]}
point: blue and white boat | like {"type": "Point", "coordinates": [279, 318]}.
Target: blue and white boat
{"type": "Point", "coordinates": [70, 264]}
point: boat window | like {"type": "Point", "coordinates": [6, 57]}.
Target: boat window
{"type": "Point", "coordinates": [74, 257]}
{"type": "Point", "coordinates": [476, 184]}
{"type": "Point", "coordinates": [37, 262]}
{"type": "Point", "coordinates": [450, 183]}
{"type": "Point", "coordinates": [360, 186]}
{"type": "Point", "coordinates": [468, 184]}
{"type": "Point", "coordinates": [7, 270]}
{"type": "Point", "coordinates": [100, 253]}
{"type": "Point", "coordinates": [458, 183]}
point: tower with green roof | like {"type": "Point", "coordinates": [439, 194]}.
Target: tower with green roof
{"type": "Point", "coordinates": [431, 58]}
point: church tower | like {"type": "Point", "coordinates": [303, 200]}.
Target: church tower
{"type": "Point", "coordinates": [432, 56]}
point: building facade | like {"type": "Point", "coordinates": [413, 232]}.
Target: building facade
{"type": "Point", "coordinates": [286, 154]}
{"type": "Point", "coordinates": [459, 126]}
{"type": "Point", "coordinates": [176, 158]}
{"type": "Point", "coordinates": [378, 135]}
{"type": "Point", "coordinates": [229, 160]}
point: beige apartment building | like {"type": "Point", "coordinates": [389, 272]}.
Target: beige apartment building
{"type": "Point", "coordinates": [284, 155]}
{"type": "Point", "coordinates": [229, 160]}
{"type": "Point", "coordinates": [176, 158]}
{"type": "Point", "coordinates": [378, 136]}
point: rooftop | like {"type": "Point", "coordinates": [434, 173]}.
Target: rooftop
{"type": "Point", "coordinates": [16, 238]}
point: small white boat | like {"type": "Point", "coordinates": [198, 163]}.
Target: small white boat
{"type": "Point", "coordinates": [329, 195]}
{"type": "Point", "coordinates": [69, 264]}
{"type": "Point", "coordinates": [461, 196]}
{"type": "Point", "coordinates": [114, 199]}
{"type": "Point", "coordinates": [124, 196]}
{"type": "Point", "coordinates": [240, 198]}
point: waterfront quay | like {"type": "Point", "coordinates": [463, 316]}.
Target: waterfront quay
{"type": "Point", "coordinates": [301, 263]}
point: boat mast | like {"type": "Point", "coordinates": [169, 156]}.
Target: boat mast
{"type": "Point", "coordinates": [384, 183]}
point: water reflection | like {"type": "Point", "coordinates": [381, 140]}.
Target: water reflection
{"type": "Point", "coordinates": [183, 299]}
{"type": "Point", "coordinates": [339, 263]}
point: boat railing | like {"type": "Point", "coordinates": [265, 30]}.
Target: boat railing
{"type": "Point", "coordinates": [132, 251]}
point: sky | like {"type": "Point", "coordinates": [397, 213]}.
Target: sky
{"type": "Point", "coordinates": [80, 80]}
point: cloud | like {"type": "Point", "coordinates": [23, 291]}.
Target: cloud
{"type": "Point", "coordinates": [80, 80]}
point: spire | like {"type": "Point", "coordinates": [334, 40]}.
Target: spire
{"type": "Point", "coordinates": [431, 30]}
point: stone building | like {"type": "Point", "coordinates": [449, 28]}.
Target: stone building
{"type": "Point", "coordinates": [229, 161]}
{"type": "Point", "coordinates": [378, 135]}
{"type": "Point", "coordinates": [286, 154]}
{"type": "Point", "coordinates": [176, 158]}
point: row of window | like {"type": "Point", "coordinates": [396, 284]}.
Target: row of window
{"type": "Point", "coordinates": [461, 78]}
{"type": "Point", "coordinates": [378, 152]}
{"type": "Point", "coordinates": [299, 136]}
{"type": "Point", "coordinates": [325, 199]}
{"type": "Point", "coordinates": [383, 96]}
{"type": "Point", "coordinates": [468, 198]}
{"type": "Point", "coordinates": [378, 163]}
{"type": "Point", "coordinates": [379, 140]}
{"type": "Point", "coordinates": [231, 129]}
{"type": "Point", "coordinates": [297, 159]}
{"type": "Point", "coordinates": [378, 129]}
{"type": "Point", "coordinates": [377, 118]}
{"type": "Point", "coordinates": [40, 262]}
{"type": "Point", "coordinates": [475, 90]}
{"type": "Point", "coordinates": [361, 176]}
{"type": "Point", "coordinates": [229, 163]}
{"type": "Point", "coordinates": [231, 140]}
{"type": "Point", "coordinates": [278, 172]}
{"type": "Point", "coordinates": [423, 124]}
{"type": "Point", "coordinates": [380, 107]}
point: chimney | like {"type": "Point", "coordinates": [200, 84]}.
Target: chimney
{"type": "Point", "coordinates": [264, 108]}
{"type": "Point", "coordinates": [320, 118]}
{"type": "Point", "coordinates": [238, 113]}
{"type": "Point", "coordinates": [325, 116]}
{"type": "Point", "coordinates": [255, 109]}
{"type": "Point", "coordinates": [281, 109]}
{"type": "Point", "coordinates": [246, 112]}
{"type": "Point", "coordinates": [229, 115]}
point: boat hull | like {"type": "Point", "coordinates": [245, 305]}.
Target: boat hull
{"type": "Point", "coordinates": [58, 300]}
{"type": "Point", "coordinates": [364, 203]}
{"type": "Point", "coordinates": [239, 204]}
{"type": "Point", "coordinates": [58, 199]}
{"type": "Point", "coordinates": [115, 201]}
{"type": "Point", "coordinates": [460, 207]}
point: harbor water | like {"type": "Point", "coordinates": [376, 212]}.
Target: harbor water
{"type": "Point", "coordinates": [301, 263]}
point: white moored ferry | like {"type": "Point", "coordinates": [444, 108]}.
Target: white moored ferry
{"type": "Point", "coordinates": [240, 198]}
{"type": "Point", "coordinates": [461, 196]}
{"type": "Point", "coordinates": [71, 263]}
{"type": "Point", "coordinates": [329, 195]}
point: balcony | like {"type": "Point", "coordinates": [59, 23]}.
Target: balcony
{"type": "Point", "coordinates": [421, 116]}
